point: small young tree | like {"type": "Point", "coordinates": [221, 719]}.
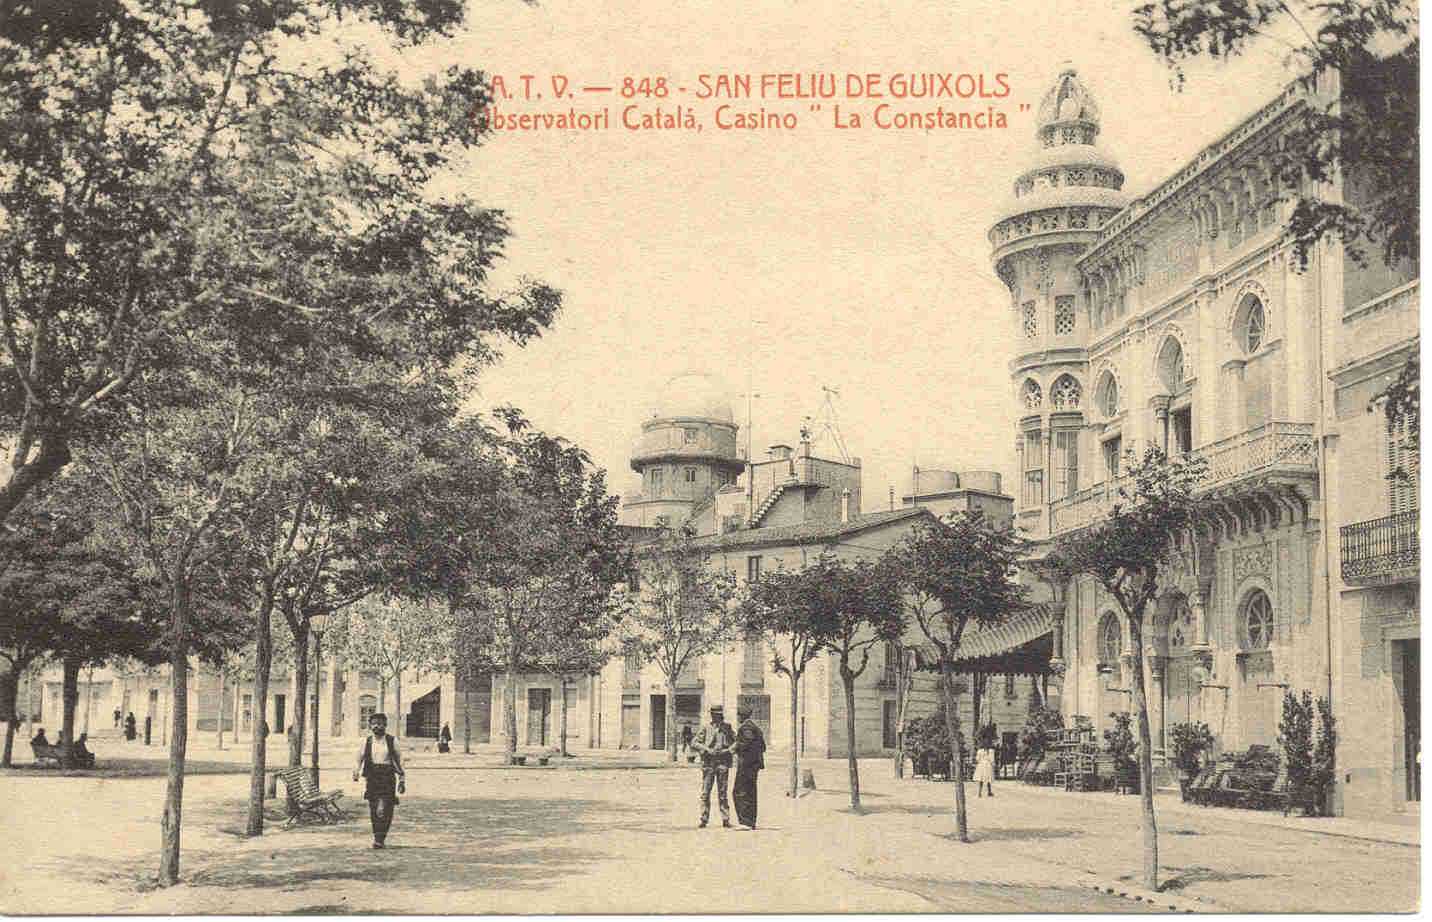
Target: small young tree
{"type": "Point", "coordinates": [957, 572]}
{"type": "Point", "coordinates": [391, 636]}
{"type": "Point", "coordinates": [860, 606]}
{"type": "Point", "coordinates": [1125, 553]}
{"type": "Point", "coordinates": [579, 648]}
{"type": "Point", "coordinates": [791, 608]}
{"type": "Point", "coordinates": [682, 611]}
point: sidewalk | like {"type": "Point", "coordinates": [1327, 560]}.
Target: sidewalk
{"type": "Point", "coordinates": [1396, 833]}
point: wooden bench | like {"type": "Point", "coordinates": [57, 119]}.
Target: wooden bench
{"type": "Point", "coordinates": [306, 801]}
{"type": "Point", "coordinates": [56, 754]}
{"type": "Point", "coordinates": [45, 754]}
{"type": "Point", "coordinates": [1287, 795]}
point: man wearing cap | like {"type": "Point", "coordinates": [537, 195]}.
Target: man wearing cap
{"type": "Point", "coordinates": [750, 747]}
{"type": "Point", "coordinates": [714, 741]}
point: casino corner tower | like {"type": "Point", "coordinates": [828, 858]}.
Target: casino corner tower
{"type": "Point", "coordinates": [1066, 188]}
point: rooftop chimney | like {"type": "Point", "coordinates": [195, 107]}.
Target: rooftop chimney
{"type": "Point", "coordinates": [845, 504]}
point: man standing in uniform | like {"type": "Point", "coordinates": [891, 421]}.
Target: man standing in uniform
{"type": "Point", "coordinates": [714, 741]}
{"type": "Point", "coordinates": [751, 751]}
{"type": "Point", "coordinates": [380, 766]}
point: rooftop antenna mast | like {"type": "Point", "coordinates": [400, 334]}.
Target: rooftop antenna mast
{"type": "Point", "coordinates": [830, 422]}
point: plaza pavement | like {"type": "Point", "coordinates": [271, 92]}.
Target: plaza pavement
{"type": "Point", "coordinates": [616, 832]}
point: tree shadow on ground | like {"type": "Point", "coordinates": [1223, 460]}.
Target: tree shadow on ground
{"type": "Point", "coordinates": [1016, 834]}
{"type": "Point", "coordinates": [477, 843]}
{"type": "Point", "coordinates": [1198, 875]}
{"type": "Point", "coordinates": [125, 768]}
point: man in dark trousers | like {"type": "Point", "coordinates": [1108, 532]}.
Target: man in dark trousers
{"type": "Point", "coordinates": [380, 766]}
{"type": "Point", "coordinates": [714, 741]}
{"type": "Point", "coordinates": [750, 750]}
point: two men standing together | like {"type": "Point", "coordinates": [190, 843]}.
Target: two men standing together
{"type": "Point", "coordinates": [717, 742]}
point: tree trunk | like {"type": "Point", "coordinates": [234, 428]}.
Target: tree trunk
{"type": "Point", "coordinates": [263, 662]}
{"type": "Point", "coordinates": [509, 709]}
{"type": "Point", "coordinates": [562, 732]}
{"type": "Point", "coordinates": [89, 700]}
{"type": "Point", "coordinates": [979, 681]}
{"type": "Point", "coordinates": [297, 726]}
{"type": "Point", "coordinates": [795, 736]}
{"type": "Point", "coordinates": [174, 789]}
{"type": "Point", "coordinates": [952, 726]}
{"type": "Point", "coordinates": [382, 695]}
{"type": "Point", "coordinates": [223, 675]}
{"type": "Point", "coordinates": [1146, 758]}
{"type": "Point", "coordinates": [467, 716]}
{"type": "Point", "coordinates": [71, 695]}
{"type": "Point", "coordinates": [10, 708]}
{"type": "Point", "coordinates": [847, 678]}
{"type": "Point", "coordinates": [317, 705]}
{"type": "Point", "coordinates": [399, 724]}
{"type": "Point", "coordinates": [902, 693]}
{"type": "Point", "coordinates": [671, 734]}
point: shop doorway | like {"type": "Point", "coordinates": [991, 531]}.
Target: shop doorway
{"type": "Point", "coordinates": [539, 716]}
{"type": "Point", "coordinates": [658, 721]}
{"type": "Point", "coordinates": [1411, 656]}
{"type": "Point", "coordinates": [631, 722]}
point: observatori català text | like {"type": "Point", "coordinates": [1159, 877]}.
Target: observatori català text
{"type": "Point", "coordinates": [749, 101]}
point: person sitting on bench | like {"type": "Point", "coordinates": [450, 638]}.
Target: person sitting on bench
{"type": "Point", "coordinates": [39, 739]}
{"type": "Point", "coordinates": [82, 756]}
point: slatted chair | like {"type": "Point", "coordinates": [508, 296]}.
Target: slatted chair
{"type": "Point", "coordinates": [306, 801]}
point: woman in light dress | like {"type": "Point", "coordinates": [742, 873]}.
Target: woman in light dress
{"type": "Point", "coordinates": [984, 771]}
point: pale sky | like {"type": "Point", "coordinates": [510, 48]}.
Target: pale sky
{"type": "Point", "coordinates": [810, 258]}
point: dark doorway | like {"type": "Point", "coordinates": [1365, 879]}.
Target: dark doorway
{"type": "Point", "coordinates": [539, 716]}
{"type": "Point", "coordinates": [1181, 436]}
{"type": "Point", "coordinates": [279, 703]}
{"type": "Point", "coordinates": [889, 716]}
{"type": "Point", "coordinates": [1412, 715]}
{"type": "Point", "coordinates": [658, 721]}
{"type": "Point", "coordinates": [631, 722]}
{"type": "Point", "coordinates": [424, 715]}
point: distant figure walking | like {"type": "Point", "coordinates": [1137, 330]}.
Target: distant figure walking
{"type": "Point", "coordinates": [380, 767]}
{"type": "Point", "coordinates": [130, 729]}
{"type": "Point", "coordinates": [984, 771]}
{"type": "Point", "coordinates": [118, 716]}
{"type": "Point", "coordinates": [751, 758]}
{"type": "Point", "coordinates": [445, 740]}
{"type": "Point", "coordinates": [714, 743]}
{"type": "Point", "coordinates": [685, 738]}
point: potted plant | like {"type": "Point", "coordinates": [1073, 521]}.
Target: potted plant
{"type": "Point", "coordinates": [1119, 741]}
{"type": "Point", "coordinates": [1190, 742]}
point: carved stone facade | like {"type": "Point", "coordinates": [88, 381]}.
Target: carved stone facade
{"type": "Point", "coordinates": [1194, 331]}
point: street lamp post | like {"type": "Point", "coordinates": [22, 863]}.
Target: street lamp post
{"type": "Point", "coordinates": [317, 624]}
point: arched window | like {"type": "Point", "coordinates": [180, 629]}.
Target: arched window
{"type": "Point", "coordinates": [1250, 324]}
{"type": "Point", "coordinates": [1033, 395]}
{"type": "Point", "coordinates": [1170, 366]}
{"type": "Point", "coordinates": [1111, 640]}
{"type": "Point", "coordinates": [1109, 395]}
{"type": "Point", "coordinates": [1180, 627]}
{"type": "Point", "coordinates": [1256, 621]}
{"type": "Point", "coordinates": [1029, 319]}
{"type": "Point", "coordinates": [1065, 394]}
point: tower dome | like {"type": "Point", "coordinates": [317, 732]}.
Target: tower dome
{"type": "Point", "coordinates": [694, 395]}
{"type": "Point", "coordinates": [1067, 188]}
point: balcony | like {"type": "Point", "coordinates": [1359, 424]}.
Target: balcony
{"type": "Point", "coordinates": [1256, 472]}
{"type": "Point", "coordinates": [1380, 551]}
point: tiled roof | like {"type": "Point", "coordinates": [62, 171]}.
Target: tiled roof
{"type": "Point", "coordinates": [807, 532]}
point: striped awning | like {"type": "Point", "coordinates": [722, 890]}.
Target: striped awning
{"type": "Point", "coordinates": [1022, 644]}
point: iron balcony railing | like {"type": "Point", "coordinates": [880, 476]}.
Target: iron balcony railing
{"type": "Point", "coordinates": [1380, 548]}
{"type": "Point", "coordinates": [1277, 447]}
